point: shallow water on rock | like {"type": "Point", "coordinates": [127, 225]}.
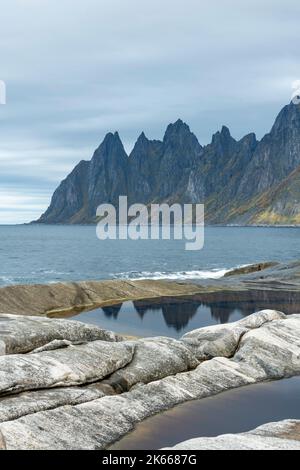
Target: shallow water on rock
{"type": "Point", "coordinates": [234, 411]}
{"type": "Point", "coordinates": [175, 317]}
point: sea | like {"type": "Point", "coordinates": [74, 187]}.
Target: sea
{"type": "Point", "coordinates": [54, 253]}
{"type": "Point", "coordinates": [32, 254]}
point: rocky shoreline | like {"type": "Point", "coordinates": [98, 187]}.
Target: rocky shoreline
{"type": "Point", "coordinates": [67, 385]}
{"type": "Point", "coordinates": [68, 298]}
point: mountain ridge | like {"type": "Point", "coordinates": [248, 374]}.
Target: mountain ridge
{"type": "Point", "coordinates": [242, 182]}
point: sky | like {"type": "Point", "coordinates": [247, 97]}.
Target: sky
{"type": "Point", "coordinates": [77, 69]}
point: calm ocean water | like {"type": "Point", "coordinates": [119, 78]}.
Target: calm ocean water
{"type": "Point", "coordinates": [42, 254]}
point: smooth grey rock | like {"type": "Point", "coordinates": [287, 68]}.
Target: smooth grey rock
{"type": "Point", "coordinates": [22, 334]}
{"type": "Point", "coordinates": [274, 436]}
{"type": "Point", "coordinates": [13, 407]}
{"type": "Point", "coordinates": [55, 344]}
{"type": "Point", "coordinates": [265, 349]}
{"type": "Point", "coordinates": [222, 340]}
{"type": "Point", "coordinates": [63, 367]}
{"type": "Point", "coordinates": [270, 351]}
{"type": "Point", "coordinates": [154, 359]}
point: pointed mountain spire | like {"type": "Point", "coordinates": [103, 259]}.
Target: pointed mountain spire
{"type": "Point", "coordinates": [111, 143]}
{"type": "Point", "coordinates": [176, 129]}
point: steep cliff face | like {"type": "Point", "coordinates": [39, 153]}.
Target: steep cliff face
{"type": "Point", "coordinates": [280, 205]}
{"type": "Point", "coordinates": [181, 151]}
{"type": "Point", "coordinates": [69, 198]}
{"type": "Point", "coordinates": [143, 169]}
{"type": "Point", "coordinates": [90, 184]}
{"type": "Point", "coordinates": [154, 171]}
{"type": "Point", "coordinates": [277, 155]}
{"type": "Point", "coordinates": [107, 174]}
{"type": "Point", "coordinates": [240, 182]}
{"type": "Point", "coordinates": [224, 179]}
{"type": "Point", "coordinates": [160, 171]}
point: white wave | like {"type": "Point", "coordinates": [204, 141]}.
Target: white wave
{"type": "Point", "coordinates": [174, 276]}
{"type": "Point", "coordinates": [49, 271]}
{"type": "Point", "coordinates": [6, 280]}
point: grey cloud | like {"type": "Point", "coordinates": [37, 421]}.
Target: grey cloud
{"type": "Point", "coordinates": [77, 69]}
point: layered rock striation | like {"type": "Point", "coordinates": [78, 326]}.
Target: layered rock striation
{"type": "Point", "coordinates": [82, 392]}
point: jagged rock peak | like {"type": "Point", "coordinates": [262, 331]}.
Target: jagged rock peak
{"type": "Point", "coordinates": [225, 131]}
{"type": "Point", "coordinates": [142, 141]}
{"type": "Point", "coordinates": [289, 117]}
{"type": "Point", "coordinates": [111, 142]}
{"type": "Point", "coordinates": [222, 136]}
{"type": "Point", "coordinates": [145, 145]}
{"type": "Point", "coordinates": [227, 174]}
{"type": "Point", "coordinates": [177, 128]}
{"type": "Point", "coordinates": [179, 138]}
{"type": "Point", "coordinates": [112, 138]}
{"type": "Point", "coordinates": [250, 140]}
{"type": "Point", "coordinates": [142, 137]}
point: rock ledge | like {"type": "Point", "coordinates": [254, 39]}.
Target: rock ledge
{"type": "Point", "coordinates": [65, 385]}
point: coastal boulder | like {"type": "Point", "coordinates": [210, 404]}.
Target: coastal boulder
{"type": "Point", "coordinates": [154, 359]}
{"type": "Point", "coordinates": [22, 334]}
{"type": "Point", "coordinates": [73, 365]}
{"type": "Point", "coordinates": [16, 406]}
{"type": "Point", "coordinates": [268, 349]}
{"type": "Point", "coordinates": [223, 340]}
{"type": "Point", "coordinates": [265, 349]}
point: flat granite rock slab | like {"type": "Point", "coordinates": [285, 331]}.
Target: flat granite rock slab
{"type": "Point", "coordinates": [266, 347]}
{"type": "Point", "coordinates": [154, 358]}
{"type": "Point", "coordinates": [69, 297]}
{"type": "Point", "coordinates": [222, 340]}
{"type": "Point", "coordinates": [22, 334]}
{"type": "Point", "coordinates": [284, 435]}
{"type": "Point", "coordinates": [15, 406]}
{"type": "Point", "coordinates": [73, 365]}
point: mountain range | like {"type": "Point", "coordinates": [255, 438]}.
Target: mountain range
{"type": "Point", "coordinates": [244, 182]}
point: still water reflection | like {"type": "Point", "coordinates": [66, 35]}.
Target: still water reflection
{"type": "Point", "coordinates": [174, 317]}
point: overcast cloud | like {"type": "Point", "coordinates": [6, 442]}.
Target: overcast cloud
{"type": "Point", "coordinates": [76, 69]}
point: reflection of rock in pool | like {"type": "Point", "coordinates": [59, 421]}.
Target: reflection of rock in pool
{"type": "Point", "coordinates": [176, 316]}
{"type": "Point", "coordinates": [112, 311]}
